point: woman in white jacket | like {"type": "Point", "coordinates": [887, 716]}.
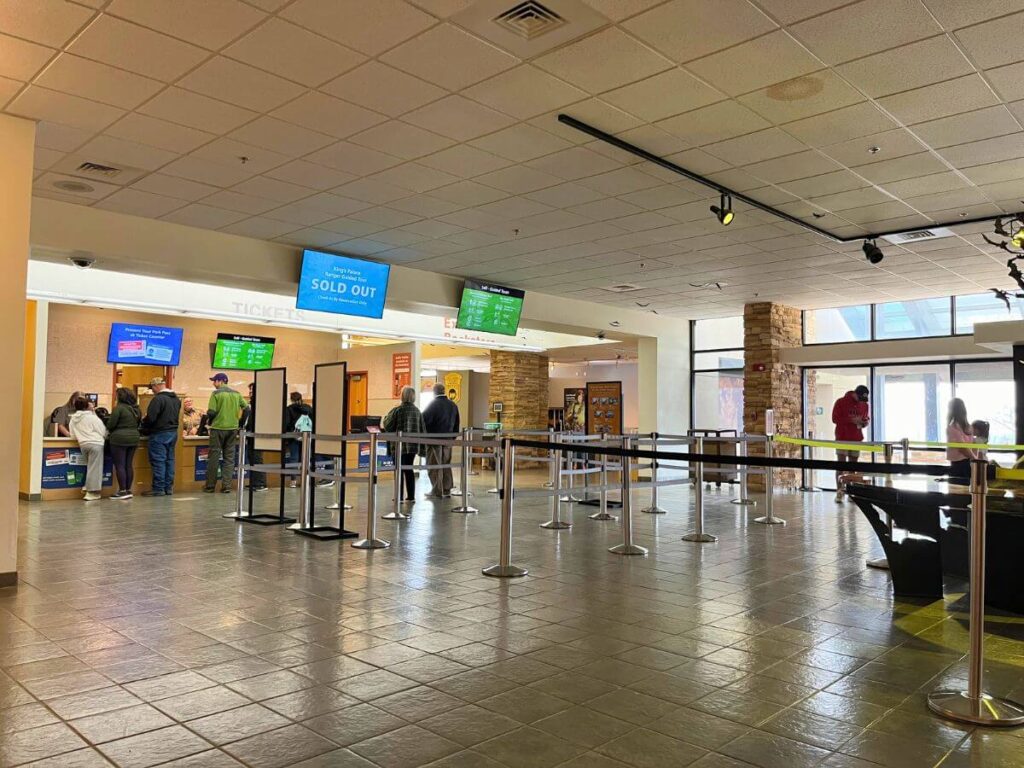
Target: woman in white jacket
{"type": "Point", "coordinates": [87, 428]}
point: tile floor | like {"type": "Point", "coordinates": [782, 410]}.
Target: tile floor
{"type": "Point", "coordinates": [153, 632]}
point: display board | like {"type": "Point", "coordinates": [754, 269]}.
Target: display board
{"type": "Point", "coordinates": [271, 394]}
{"type": "Point", "coordinates": [65, 468]}
{"type": "Point", "coordinates": [342, 285]}
{"type": "Point", "coordinates": [235, 352]}
{"type": "Point", "coordinates": [575, 415]}
{"type": "Point", "coordinates": [329, 406]}
{"type": "Point", "coordinates": [604, 408]}
{"type": "Point", "coordinates": [136, 344]}
{"type": "Point", "coordinates": [490, 308]}
{"type": "Point", "coordinates": [401, 372]}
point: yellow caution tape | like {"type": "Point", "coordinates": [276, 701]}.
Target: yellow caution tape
{"type": "Point", "coordinates": [1009, 474]}
{"type": "Point", "coordinates": [862, 447]}
{"type": "Point", "coordinates": [983, 446]}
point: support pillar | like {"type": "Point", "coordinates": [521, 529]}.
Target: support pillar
{"type": "Point", "coordinates": [17, 141]}
{"type": "Point", "coordinates": [34, 416]}
{"type": "Point", "coordinates": [663, 384]}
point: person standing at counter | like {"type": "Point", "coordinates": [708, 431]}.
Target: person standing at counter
{"type": "Point", "coordinates": [61, 416]}
{"type": "Point", "coordinates": [226, 410]}
{"type": "Point", "coordinates": [161, 425]}
{"type": "Point", "coordinates": [123, 435]}
{"type": "Point", "coordinates": [85, 426]}
{"type": "Point", "coordinates": [440, 417]}
{"type": "Point", "coordinates": [191, 419]}
{"type": "Point", "coordinates": [958, 430]}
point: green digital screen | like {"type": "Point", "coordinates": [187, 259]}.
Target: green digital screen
{"type": "Point", "coordinates": [490, 308]}
{"type": "Point", "coordinates": [243, 353]}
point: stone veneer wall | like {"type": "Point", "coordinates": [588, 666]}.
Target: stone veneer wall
{"type": "Point", "coordinates": [767, 329]}
{"type": "Point", "coordinates": [519, 380]}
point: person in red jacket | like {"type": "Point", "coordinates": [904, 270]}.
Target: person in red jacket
{"type": "Point", "coordinates": [850, 414]}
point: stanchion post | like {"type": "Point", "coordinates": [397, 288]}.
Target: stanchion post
{"type": "Point", "coordinates": [497, 464]}
{"type": "Point", "coordinates": [504, 567]}
{"type": "Point", "coordinates": [974, 705]}
{"type": "Point", "coordinates": [887, 451]}
{"type": "Point", "coordinates": [305, 521]}
{"type": "Point", "coordinates": [905, 449]}
{"type": "Point", "coordinates": [699, 535]}
{"type": "Point", "coordinates": [627, 547]}
{"type": "Point", "coordinates": [654, 508]}
{"type": "Point", "coordinates": [741, 451]}
{"type": "Point", "coordinates": [769, 489]}
{"type": "Point", "coordinates": [370, 541]}
{"type": "Point", "coordinates": [806, 481]}
{"type": "Point", "coordinates": [396, 511]}
{"type": "Point", "coordinates": [602, 508]}
{"type": "Point", "coordinates": [240, 511]}
{"type": "Point", "coordinates": [336, 489]}
{"type": "Point", "coordinates": [465, 507]}
{"type": "Point", "coordinates": [556, 523]}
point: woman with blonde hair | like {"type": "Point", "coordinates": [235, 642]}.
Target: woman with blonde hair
{"type": "Point", "coordinates": [406, 418]}
{"type": "Point", "coordinates": [958, 430]}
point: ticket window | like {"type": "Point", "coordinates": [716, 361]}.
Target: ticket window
{"type": "Point", "coordinates": [137, 378]}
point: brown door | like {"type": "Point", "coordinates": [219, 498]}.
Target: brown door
{"type": "Point", "coordinates": [358, 390]}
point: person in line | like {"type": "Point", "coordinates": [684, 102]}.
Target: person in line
{"type": "Point", "coordinates": [257, 480]}
{"type": "Point", "coordinates": [191, 418]}
{"type": "Point", "coordinates": [406, 418]}
{"type": "Point", "coordinates": [60, 417]}
{"type": "Point", "coordinates": [850, 414]}
{"type": "Point", "coordinates": [123, 434]}
{"type": "Point", "coordinates": [294, 412]}
{"type": "Point", "coordinates": [225, 411]}
{"type": "Point", "coordinates": [85, 426]}
{"type": "Point", "coordinates": [440, 417]}
{"type": "Point", "coordinates": [161, 424]}
{"type": "Point", "coordinates": [958, 430]}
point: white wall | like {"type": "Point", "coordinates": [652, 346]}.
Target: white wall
{"type": "Point", "coordinates": [624, 372]}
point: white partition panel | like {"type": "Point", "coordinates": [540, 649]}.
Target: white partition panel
{"type": "Point", "coordinates": [329, 406]}
{"type": "Point", "coordinates": [271, 391]}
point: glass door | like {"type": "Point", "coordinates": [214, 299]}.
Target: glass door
{"type": "Point", "coordinates": [822, 387]}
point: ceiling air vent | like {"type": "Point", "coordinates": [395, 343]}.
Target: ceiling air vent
{"type": "Point", "coordinates": [74, 187]}
{"type": "Point", "coordinates": [918, 235]}
{"type": "Point", "coordinates": [98, 170]}
{"type": "Point", "coordinates": [622, 288]}
{"type": "Point", "coordinates": [530, 20]}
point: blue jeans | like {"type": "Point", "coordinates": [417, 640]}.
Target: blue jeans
{"type": "Point", "coordinates": [161, 459]}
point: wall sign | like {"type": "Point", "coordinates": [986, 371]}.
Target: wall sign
{"type": "Point", "coordinates": [453, 386]}
{"type": "Point", "coordinates": [65, 468]}
{"type": "Point", "coordinates": [401, 372]}
{"type": "Point", "coordinates": [604, 408]}
{"type": "Point", "coordinates": [575, 418]}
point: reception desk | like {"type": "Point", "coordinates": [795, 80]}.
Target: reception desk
{"type": "Point", "coordinates": [63, 470]}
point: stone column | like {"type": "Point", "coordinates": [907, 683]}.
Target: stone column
{"type": "Point", "coordinates": [17, 141]}
{"type": "Point", "coordinates": [768, 383]}
{"type": "Point", "coordinates": [519, 381]}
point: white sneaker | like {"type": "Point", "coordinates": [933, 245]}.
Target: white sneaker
{"type": "Point", "coordinates": [840, 497]}
{"type": "Point", "coordinates": [90, 496]}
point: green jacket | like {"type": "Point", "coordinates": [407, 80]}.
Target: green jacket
{"type": "Point", "coordinates": [225, 409]}
{"type": "Point", "coordinates": [123, 425]}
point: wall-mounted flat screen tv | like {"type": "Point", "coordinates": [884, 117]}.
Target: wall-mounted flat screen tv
{"type": "Point", "coordinates": [134, 344]}
{"type": "Point", "coordinates": [235, 352]}
{"type": "Point", "coordinates": [342, 285]}
{"type": "Point", "coordinates": [490, 308]}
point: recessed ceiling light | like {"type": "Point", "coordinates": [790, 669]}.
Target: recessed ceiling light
{"type": "Point", "coordinates": [874, 150]}
{"type": "Point", "coordinates": [74, 187]}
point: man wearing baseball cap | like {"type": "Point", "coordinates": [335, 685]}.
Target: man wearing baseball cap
{"type": "Point", "coordinates": [161, 424]}
{"type": "Point", "coordinates": [225, 411]}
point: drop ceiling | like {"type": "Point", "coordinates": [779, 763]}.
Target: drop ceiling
{"type": "Point", "coordinates": [413, 133]}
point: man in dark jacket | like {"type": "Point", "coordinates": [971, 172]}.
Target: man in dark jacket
{"type": "Point", "coordinates": [441, 417]}
{"type": "Point", "coordinates": [161, 424]}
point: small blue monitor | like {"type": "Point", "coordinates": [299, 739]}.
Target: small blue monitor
{"type": "Point", "coordinates": [136, 344]}
{"type": "Point", "coordinates": [342, 285]}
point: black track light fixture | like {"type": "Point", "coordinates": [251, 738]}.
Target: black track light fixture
{"type": "Point", "coordinates": [723, 211]}
{"type": "Point", "coordinates": [872, 252]}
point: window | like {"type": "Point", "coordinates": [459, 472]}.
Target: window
{"type": "Point", "coordinates": [913, 319]}
{"type": "Point", "coordinates": [730, 358]}
{"type": "Point", "coordinates": [910, 401]}
{"type": "Point", "coordinates": [837, 325]}
{"type": "Point", "coordinates": [822, 387]}
{"type": "Point", "coordinates": [716, 389]}
{"type": "Point", "coordinates": [984, 308]}
{"type": "Point", "coordinates": [718, 333]}
{"type": "Point", "coordinates": [988, 392]}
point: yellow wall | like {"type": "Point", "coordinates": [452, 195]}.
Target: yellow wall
{"type": "Point", "coordinates": [27, 377]}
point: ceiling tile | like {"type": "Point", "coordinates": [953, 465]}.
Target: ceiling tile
{"type": "Point", "coordinates": [45, 186]}
{"type": "Point", "coordinates": [294, 53]}
{"type": "Point", "coordinates": [603, 61]}
{"type": "Point", "coordinates": [42, 104]}
{"type": "Point", "coordinates": [19, 59]}
{"type": "Point", "coordinates": [279, 136]}
{"type": "Point", "coordinates": [135, 202]}
{"type": "Point", "coordinates": [416, 177]}
{"type": "Point", "coordinates": [383, 89]}
{"type": "Point", "coordinates": [926, 185]}
{"type": "Point", "coordinates": [49, 22]}
{"type": "Point", "coordinates": [251, 158]}
{"type": "Point", "coordinates": [465, 161]}
{"type": "Point", "coordinates": [661, 196]}
{"type": "Point", "coordinates": [592, 111]}
{"type": "Point", "coordinates": [953, 14]}
{"type": "Point", "coordinates": [798, 166]}
{"type": "Point", "coordinates": [336, 205]}
{"type": "Point", "coordinates": [994, 150]}
{"type": "Point", "coordinates": [908, 167]}
{"type": "Point", "coordinates": [7, 90]}
{"type": "Point", "coordinates": [427, 206]}
{"type": "Point", "coordinates": [864, 28]}
{"type": "Point", "coordinates": [467, 193]}
{"type": "Point", "coordinates": [855, 152]}
{"type": "Point", "coordinates": [458, 118]}
{"type": "Point", "coordinates": [196, 111]}
{"type": "Point", "coordinates": [524, 92]}
{"type": "Point", "coordinates": [209, 23]}
{"type": "Point", "coordinates": [513, 208]}
{"type": "Point", "coordinates": [350, 227]}
{"type": "Point", "coordinates": [92, 80]}
{"type": "Point", "coordinates": [279, 190]}
{"type": "Point", "coordinates": [569, 194]}
{"type": "Point", "coordinates": [205, 216]}
{"type": "Point", "coordinates": [788, 11]}
{"type": "Point", "coordinates": [843, 124]}
{"type": "Point", "coordinates": [666, 94]}
{"type": "Point", "coordinates": [688, 29]}
{"type": "Point", "coordinates": [401, 140]}
{"type": "Point", "coordinates": [442, 8]}
{"type": "Point", "coordinates": [933, 101]}
{"type": "Point", "coordinates": [264, 229]}
{"type": "Point", "coordinates": [1008, 81]}
{"type": "Point", "coordinates": [158, 133]}
{"type": "Point", "coordinates": [328, 114]}
{"type": "Point", "coordinates": [387, 217]}
{"type": "Point", "coordinates": [173, 186]}
{"type": "Point", "coordinates": [573, 163]}
{"type": "Point", "coordinates": [299, 213]}
{"type": "Point", "coordinates": [802, 97]}
{"type": "Point", "coordinates": [604, 210]}
{"type": "Point", "coordinates": [754, 147]}
{"type": "Point", "coordinates": [971, 126]}
{"type": "Point", "coordinates": [310, 175]}
{"type": "Point", "coordinates": [911, 66]}
{"type": "Point", "coordinates": [825, 184]}
{"type": "Point", "coordinates": [778, 58]}
{"type": "Point", "coordinates": [372, 191]}
{"type": "Point", "coordinates": [206, 172]}
{"type": "Point", "coordinates": [368, 27]}
{"type": "Point", "coordinates": [131, 47]}
{"type": "Point", "coordinates": [117, 152]}
{"type": "Point", "coordinates": [241, 85]}
{"type": "Point", "coordinates": [236, 201]}
{"type": "Point", "coordinates": [519, 180]}
{"type": "Point", "coordinates": [993, 43]}
{"type": "Point", "coordinates": [449, 57]}
{"type": "Point", "coordinates": [352, 158]}
{"type": "Point", "coordinates": [621, 181]}
{"type": "Point", "coordinates": [717, 122]}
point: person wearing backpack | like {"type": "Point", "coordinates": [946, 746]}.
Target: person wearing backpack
{"type": "Point", "coordinates": [300, 419]}
{"type": "Point", "coordinates": [123, 436]}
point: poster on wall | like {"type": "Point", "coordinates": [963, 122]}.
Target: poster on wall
{"type": "Point", "coordinates": [453, 386]}
{"type": "Point", "coordinates": [575, 418]}
{"type": "Point", "coordinates": [604, 408]}
{"type": "Point", "coordinates": [401, 372]}
{"type": "Point", "coordinates": [65, 468]}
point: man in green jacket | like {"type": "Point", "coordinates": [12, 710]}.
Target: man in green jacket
{"type": "Point", "coordinates": [226, 410]}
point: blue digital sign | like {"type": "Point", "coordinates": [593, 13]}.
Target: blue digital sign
{"type": "Point", "coordinates": [142, 344]}
{"type": "Point", "coordinates": [342, 285]}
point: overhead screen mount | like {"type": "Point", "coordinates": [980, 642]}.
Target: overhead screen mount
{"type": "Point", "coordinates": [668, 165]}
